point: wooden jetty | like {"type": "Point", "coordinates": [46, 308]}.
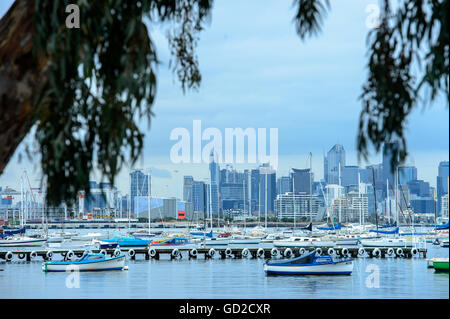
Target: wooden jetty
{"type": "Point", "coordinates": [212, 252]}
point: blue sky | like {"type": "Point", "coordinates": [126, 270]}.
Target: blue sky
{"type": "Point", "coordinates": [257, 73]}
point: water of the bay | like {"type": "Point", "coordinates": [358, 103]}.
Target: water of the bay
{"type": "Point", "coordinates": [229, 279]}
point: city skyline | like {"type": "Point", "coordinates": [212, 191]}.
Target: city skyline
{"type": "Point", "coordinates": [167, 179]}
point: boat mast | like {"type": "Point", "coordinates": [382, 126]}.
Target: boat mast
{"type": "Point", "coordinates": [149, 201]}
{"type": "Point", "coordinates": [388, 205]}
{"type": "Point", "coordinates": [339, 190]}
{"type": "Point", "coordinates": [266, 201]}
{"type": "Point", "coordinates": [396, 200]}
{"type": "Point", "coordinates": [210, 203]}
{"type": "Point", "coordinates": [359, 197]}
{"type": "Point", "coordinates": [375, 197]}
{"type": "Point", "coordinates": [293, 197]}
{"type": "Point", "coordinates": [21, 197]}
{"type": "Point", "coordinates": [310, 187]}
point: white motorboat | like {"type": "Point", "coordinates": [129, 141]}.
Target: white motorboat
{"type": "Point", "coordinates": [55, 239]}
{"type": "Point", "coordinates": [299, 242]}
{"type": "Point", "coordinates": [271, 238]}
{"type": "Point", "coordinates": [345, 239]}
{"type": "Point", "coordinates": [217, 241]}
{"type": "Point", "coordinates": [90, 236]}
{"type": "Point", "coordinates": [241, 239]}
{"type": "Point", "coordinates": [388, 242]}
{"type": "Point", "coordinates": [22, 241]}
{"type": "Point", "coordinates": [88, 262]}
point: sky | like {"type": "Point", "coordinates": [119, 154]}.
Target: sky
{"type": "Point", "coordinates": [257, 73]}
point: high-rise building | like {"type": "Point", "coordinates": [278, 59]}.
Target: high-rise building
{"type": "Point", "coordinates": [288, 204]}
{"type": "Point", "coordinates": [284, 185]}
{"type": "Point", "coordinates": [419, 188]}
{"type": "Point", "coordinates": [349, 175]}
{"type": "Point", "coordinates": [442, 183]}
{"type": "Point", "coordinates": [333, 162]}
{"type": "Point", "coordinates": [214, 174]}
{"type": "Point", "coordinates": [188, 184]}
{"type": "Point", "coordinates": [267, 189]}
{"type": "Point", "coordinates": [406, 174]}
{"type": "Point", "coordinates": [302, 180]}
{"type": "Point", "coordinates": [444, 206]}
{"type": "Point", "coordinates": [254, 190]}
{"type": "Point", "coordinates": [388, 169]}
{"type": "Point", "coordinates": [138, 185]}
{"type": "Point", "coordinates": [199, 196]}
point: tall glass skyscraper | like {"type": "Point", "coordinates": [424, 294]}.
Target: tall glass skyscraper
{"type": "Point", "coordinates": [406, 174]}
{"type": "Point", "coordinates": [188, 183]}
{"type": "Point", "coordinates": [388, 170]}
{"type": "Point", "coordinates": [214, 174]}
{"type": "Point", "coordinates": [335, 158]}
{"type": "Point", "coordinates": [302, 180]}
{"type": "Point", "coordinates": [138, 185]}
{"type": "Point", "coordinates": [267, 189]}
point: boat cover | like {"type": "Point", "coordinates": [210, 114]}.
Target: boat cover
{"type": "Point", "coordinates": [444, 226]}
{"type": "Point", "coordinates": [7, 233]}
{"type": "Point", "coordinates": [309, 227]}
{"type": "Point", "coordinates": [302, 260]}
{"type": "Point", "coordinates": [394, 231]}
{"type": "Point", "coordinates": [337, 226]}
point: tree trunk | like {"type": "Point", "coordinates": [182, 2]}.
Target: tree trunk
{"type": "Point", "coordinates": [20, 77]}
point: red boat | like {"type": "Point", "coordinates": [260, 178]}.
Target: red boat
{"type": "Point", "coordinates": [224, 235]}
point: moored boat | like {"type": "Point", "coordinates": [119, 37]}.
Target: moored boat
{"type": "Point", "coordinates": [310, 264]}
{"type": "Point", "coordinates": [128, 242]}
{"type": "Point", "coordinates": [89, 237]}
{"type": "Point", "coordinates": [388, 242]}
{"type": "Point", "coordinates": [440, 264]}
{"type": "Point", "coordinates": [175, 241]}
{"type": "Point", "coordinates": [88, 262]}
{"type": "Point", "coordinates": [22, 241]}
{"type": "Point", "coordinates": [305, 242]}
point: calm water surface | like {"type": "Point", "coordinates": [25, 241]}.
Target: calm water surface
{"type": "Point", "coordinates": [229, 278]}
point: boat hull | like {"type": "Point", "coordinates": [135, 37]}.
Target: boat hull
{"type": "Point", "coordinates": [383, 243]}
{"type": "Point", "coordinates": [339, 268]}
{"type": "Point", "coordinates": [440, 266]}
{"type": "Point", "coordinates": [300, 244]}
{"type": "Point", "coordinates": [115, 263]}
{"type": "Point", "coordinates": [22, 243]}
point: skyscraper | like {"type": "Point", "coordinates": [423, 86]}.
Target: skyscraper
{"type": "Point", "coordinates": [284, 185]}
{"type": "Point", "coordinates": [388, 170]}
{"type": "Point", "coordinates": [138, 185]}
{"type": "Point", "coordinates": [214, 174]}
{"type": "Point", "coordinates": [267, 189]}
{"type": "Point", "coordinates": [349, 175]}
{"type": "Point", "coordinates": [301, 180]}
{"type": "Point", "coordinates": [335, 158]}
{"type": "Point", "coordinates": [406, 174]}
{"type": "Point", "coordinates": [254, 190]}
{"type": "Point", "coordinates": [188, 184]}
{"type": "Point", "coordinates": [442, 183]}
{"type": "Point", "coordinates": [198, 196]}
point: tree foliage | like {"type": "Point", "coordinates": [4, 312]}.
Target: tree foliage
{"type": "Point", "coordinates": [101, 81]}
{"type": "Point", "coordinates": [408, 58]}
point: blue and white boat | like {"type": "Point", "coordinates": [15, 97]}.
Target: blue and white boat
{"type": "Point", "coordinates": [127, 241]}
{"type": "Point", "coordinates": [88, 262]}
{"type": "Point", "coordinates": [310, 264]}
